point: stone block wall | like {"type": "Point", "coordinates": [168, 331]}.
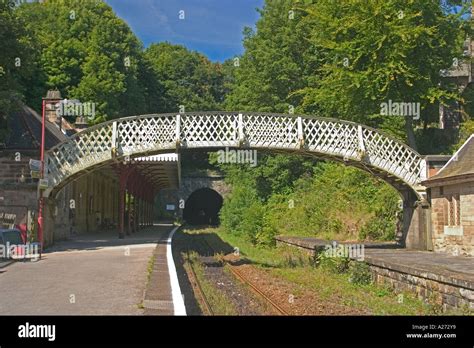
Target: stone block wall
{"type": "Point", "coordinates": [18, 191]}
{"type": "Point", "coordinates": [463, 242]}
{"type": "Point", "coordinates": [446, 295]}
{"type": "Point", "coordinates": [15, 169]}
{"type": "Point", "coordinates": [189, 184]}
{"type": "Point", "coordinates": [434, 285]}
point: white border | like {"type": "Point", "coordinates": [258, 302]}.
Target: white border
{"type": "Point", "coordinates": [178, 301]}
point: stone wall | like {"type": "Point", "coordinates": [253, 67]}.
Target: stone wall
{"type": "Point", "coordinates": [19, 201]}
{"type": "Point", "coordinates": [18, 191]}
{"type": "Point", "coordinates": [82, 206]}
{"type": "Point", "coordinates": [15, 169]}
{"type": "Point", "coordinates": [189, 184]}
{"type": "Point", "coordinates": [446, 294]}
{"type": "Point", "coordinates": [389, 266]}
{"type": "Point", "coordinates": [457, 241]}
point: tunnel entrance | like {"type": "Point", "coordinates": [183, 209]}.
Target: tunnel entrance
{"type": "Point", "coordinates": [202, 207]}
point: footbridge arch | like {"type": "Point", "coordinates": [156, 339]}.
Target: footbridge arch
{"type": "Point", "coordinates": [145, 135]}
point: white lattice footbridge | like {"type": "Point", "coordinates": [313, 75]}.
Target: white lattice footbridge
{"type": "Point", "coordinates": [139, 136]}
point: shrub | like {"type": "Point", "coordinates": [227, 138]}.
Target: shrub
{"type": "Point", "coordinates": [359, 273]}
{"type": "Point", "coordinates": [333, 264]}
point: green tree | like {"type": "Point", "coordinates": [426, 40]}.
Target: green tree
{"type": "Point", "coordinates": [377, 51]}
{"type": "Point", "coordinates": [188, 77]}
{"type": "Point", "coordinates": [16, 64]}
{"type": "Point", "coordinates": [278, 60]}
{"type": "Point", "coordinates": [88, 53]}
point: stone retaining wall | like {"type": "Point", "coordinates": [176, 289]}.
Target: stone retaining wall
{"type": "Point", "coordinates": [438, 286]}
{"type": "Point", "coordinates": [445, 294]}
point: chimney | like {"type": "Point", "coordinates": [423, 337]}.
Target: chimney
{"type": "Point", "coordinates": [53, 97]}
{"type": "Point", "coordinates": [81, 123]}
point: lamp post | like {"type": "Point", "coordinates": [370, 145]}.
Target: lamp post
{"type": "Point", "coordinates": [41, 198]}
{"type": "Point", "coordinates": [52, 97]}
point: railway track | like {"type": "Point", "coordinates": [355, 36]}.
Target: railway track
{"type": "Point", "coordinates": [197, 286]}
{"type": "Point", "coordinates": [237, 274]}
{"type": "Point", "coordinates": [256, 290]}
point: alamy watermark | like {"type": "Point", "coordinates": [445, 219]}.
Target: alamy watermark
{"type": "Point", "coordinates": [352, 251]}
{"type": "Point", "coordinates": [406, 109]}
{"type": "Point", "coordinates": [76, 108]}
{"type": "Point", "coordinates": [237, 156]}
{"type": "Point", "coordinates": [21, 251]}
{"type": "Point", "coordinates": [37, 331]}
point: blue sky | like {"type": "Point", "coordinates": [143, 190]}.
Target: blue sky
{"type": "Point", "coordinates": [213, 27]}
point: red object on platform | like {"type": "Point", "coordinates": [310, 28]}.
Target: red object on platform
{"type": "Point", "coordinates": [23, 230]}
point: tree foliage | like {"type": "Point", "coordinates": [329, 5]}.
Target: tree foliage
{"type": "Point", "coordinates": [16, 64]}
{"type": "Point", "coordinates": [338, 59]}
{"type": "Point", "coordinates": [343, 59]}
{"type": "Point", "coordinates": [277, 61]}
{"type": "Point", "coordinates": [90, 54]}
{"type": "Point", "coordinates": [188, 77]}
{"type": "Point", "coordinates": [377, 51]}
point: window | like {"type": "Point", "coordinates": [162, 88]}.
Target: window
{"type": "Point", "coordinates": [454, 211]}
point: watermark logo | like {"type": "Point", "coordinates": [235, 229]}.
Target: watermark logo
{"type": "Point", "coordinates": [353, 251]}
{"type": "Point", "coordinates": [76, 108]}
{"type": "Point", "coordinates": [237, 156]}
{"type": "Point", "coordinates": [405, 109]}
{"type": "Point", "coordinates": [21, 251]}
{"type": "Point", "coordinates": [37, 331]}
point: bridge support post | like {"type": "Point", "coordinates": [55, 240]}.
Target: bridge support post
{"type": "Point", "coordinates": [415, 222]}
{"type": "Point", "coordinates": [142, 207]}
{"type": "Point", "coordinates": [148, 211]}
{"type": "Point", "coordinates": [123, 184]}
{"type": "Point", "coordinates": [139, 207]}
{"type": "Point", "coordinates": [135, 211]}
{"type": "Point", "coordinates": [145, 210]}
{"type": "Point", "coordinates": [133, 205]}
{"type": "Point", "coordinates": [129, 213]}
{"type": "Point", "coordinates": [124, 173]}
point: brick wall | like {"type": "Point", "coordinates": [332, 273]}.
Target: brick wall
{"type": "Point", "coordinates": [462, 244]}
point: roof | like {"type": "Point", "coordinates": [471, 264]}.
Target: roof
{"type": "Point", "coordinates": [461, 164]}
{"type": "Point", "coordinates": [462, 70]}
{"type": "Point", "coordinates": [437, 158]}
{"type": "Point", "coordinates": [25, 126]}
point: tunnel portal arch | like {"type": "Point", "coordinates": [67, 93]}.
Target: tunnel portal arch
{"type": "Point", "coordinates": [202, 207]}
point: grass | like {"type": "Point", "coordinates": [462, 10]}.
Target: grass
{"type": "Point", "coordinates": [374, 298]}
{"type": "Point", "coordinates": [217, 299]}
{"type": "Point", "coordinates": [149, 269]}
{"type": "Point", "coordinates": [294, 266]}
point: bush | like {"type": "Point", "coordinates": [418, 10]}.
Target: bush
{"type": "Point", "coordinates": [359, 273]}
{"type": "Point", "coordinates": [244, 214]}
{"type": "Point", "coordinates": [337, 202]}
{"type": "Point", "coordinates": [332, 264]}
{"type": "Point", "coordinates": [382, 226]}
